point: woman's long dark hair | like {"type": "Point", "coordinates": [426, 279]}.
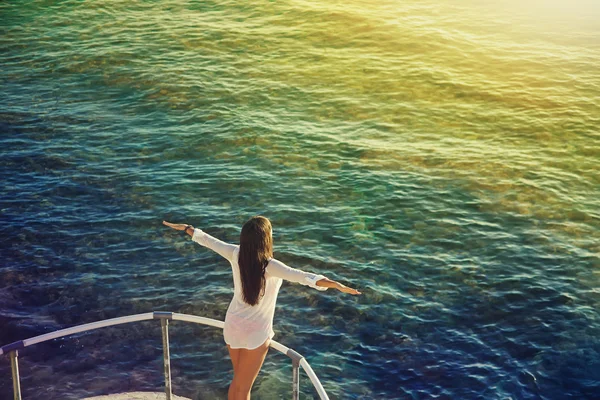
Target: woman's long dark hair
{"type": "Point", "coordinates": [256, 249]}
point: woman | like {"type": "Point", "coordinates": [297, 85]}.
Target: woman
{"type": "Point", "coordinates": [257, 277]}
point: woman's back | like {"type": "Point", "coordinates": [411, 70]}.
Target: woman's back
{"type": "Point", "coordinates": [248, 326]}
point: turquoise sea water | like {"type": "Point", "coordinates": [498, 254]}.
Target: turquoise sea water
{"type": "Point", "coordinates": [442, 157]}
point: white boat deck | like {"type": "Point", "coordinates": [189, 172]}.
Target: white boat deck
{"type": "Point", "coordinates": [136, 396]}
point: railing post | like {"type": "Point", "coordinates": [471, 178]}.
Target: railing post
{"type": "Point", "coordinates": [295, 379]}
{"type": "Point", "coordinates": [14, 366]}
{"type": "Point", "coordinates": [296, 358]}
{"type": "Point", "coordinates": [166, 358]}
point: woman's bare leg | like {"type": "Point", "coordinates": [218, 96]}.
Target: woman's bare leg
{"type": "Point", "coordinates": [235, 357]}
{"type": "Point", "coordinates": [248, 367]}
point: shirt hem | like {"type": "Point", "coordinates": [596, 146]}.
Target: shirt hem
{"type": "Point", "coordinates": [269, 337]}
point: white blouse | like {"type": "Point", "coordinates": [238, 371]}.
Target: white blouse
{"type": "Point", "coordinates": [249, 326]}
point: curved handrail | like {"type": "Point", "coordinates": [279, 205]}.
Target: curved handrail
{"type": "Point", "coordinates": [296, 357]}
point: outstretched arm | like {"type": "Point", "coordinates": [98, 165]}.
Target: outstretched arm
{"type": "Point", "coordinates": [326, 282]}
{"type": "Point", "coordinates": [204, 239]}
{"type": "Point", "coordinates": [317, 281]}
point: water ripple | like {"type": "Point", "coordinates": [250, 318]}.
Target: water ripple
{"type": "Point", "coordinates": [441, 157]}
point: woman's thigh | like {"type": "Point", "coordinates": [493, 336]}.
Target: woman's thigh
{"type": "Point", "coordinates": [235, 356]}
{"type": "Point", "coordinates": [249, 365]}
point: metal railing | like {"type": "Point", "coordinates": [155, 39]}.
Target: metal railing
{"type": "Point", "coordinates": [297, 359]}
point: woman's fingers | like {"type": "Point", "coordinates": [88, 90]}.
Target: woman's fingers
{"type": "Point", "coordinates": [178, 227]}
{"type": "Point", "coordinates": [348, 290]}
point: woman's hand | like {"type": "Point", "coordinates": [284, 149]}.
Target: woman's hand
{"type": "Point", "coordinates": [326, 282]}
{"type": "Point", "coordinates": [343, 288]}
{"type": "Point", "coordinates": [177, 227]}
{"type": "Point", "coordinates": [180, 227]}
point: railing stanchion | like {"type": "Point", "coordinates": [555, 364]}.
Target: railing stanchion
{"type": "Point", "coordinates": [166, 358]}
{"type": "Point", "coordinates": [14, 366]}
{"type": "Point", "coordinates": [295, 379]}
